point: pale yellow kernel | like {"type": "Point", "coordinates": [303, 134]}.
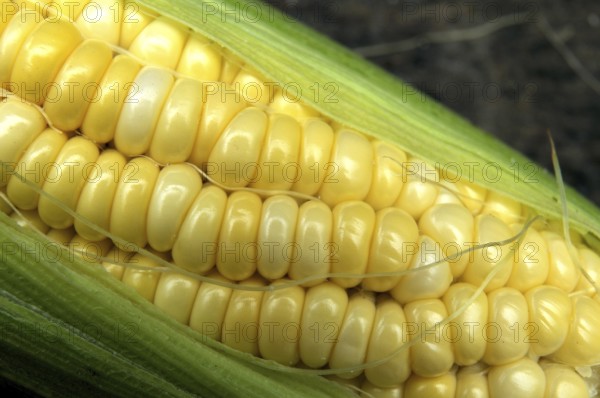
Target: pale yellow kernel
{"type": "Point", "coordinates": [370, 390]}
{"type": "Point", "coordinates": [353, 224]}
{"type": "Point", "coordinates": [253, 88]}
{"type": "Point", "coordinates": [200, 59]}
{"type": "Point", "coordinates": [176, 188]}
{"type": "Point", "coordinates": [468, 330]}
{"type": "Point", "coordinates": [160, 43]}
{"type": "Point", "coordinates": [520, 379]}
{"type": "Point", "coordinates": [315, 149]}
{"type": "Point", "coordinates": [67, 9]}
{"type": "Point", "coordinates": [387, 175]}
{"type": "Point", "coordinates": [61, 236]}
{"type": "Point", "coordinates": [114, 89]}
{"type": "Point", "coordinates": [286, 100]}
{"type": "Point", "coordinates": [590, 262]}
{"type": "Point", "coordinates": [497, 258]}
{"type": "Point", "coordinates": [230, 66]}
{"type": "Point", "coordinates": [20, 124]}
{"type": "Point", "coordinates": [128, 217]}
{"type": "Point", "coordinates": [135, 19]}
{"type": "Point", "coordinates": [471, 195]}
{"type": "Point", "coordinates": [443, 386]}
{"type": "Point", "coordinates": [240, 326]}
{"type": "Point", "coordinates": [219, 109]}
{"type": "Point", "coordinates": [177, 126]}
{"type": "Point", "coordinates": [98, 19]}
{"type": "Point", "coordinates": [50, 44]}
{"type": "Point", "coordinates": [387, 338]}
{"type": "Point", "coordinates": [420, 188]}
{"type": "Point", "coordinates": [232, 161]}
{"type": "Point", "coordinates": [175, 294]}
{"type": "Point", "coordinates": [349, 172]}
{"type": "Point", "coordinates": [582, 345]}
{"type": "Point", "coordinates": [89, 251]}
{"type": "Point", "coordinates": [472, 382]}
{"type": "Point", "coordinates": [42, 151]}
{"type": "Point", "coordinates": [237, 253]}
{"type": "Point", "coordinates": [506, 330]}
{"type": "Point", "coordinates": [276, 235]}
{"type": "Point", "coordinates": [563, 381]}
{"type": "Point", "coordinates": [280, 316]}
{"type": "Point", "coordinates": [66, 181]}
{"type": "Point", "coordinates": [355, 331]}
{"type": "Point", "coordinates": [431, 281]}
{"type": "Point", "coordinates": [141, 110]}
{"type": "Point", "coordinates": [144, 281]}
{"type": "Point", "coordinates": [277, 164]}
{"type": "Point", "coordinates": [432, 355]}
{"type": "Point", "coordinates": [446, 196]}
{"type": "Point", "coordinates": [531, 260]}
{"type": "Point", "coordinates": [322, 316]}
{"type": "Point", "coordinates": [563, 272]}
{"type": "Point", "coordinates": [452, 227]}
{"type": "Point", "coordinates": [113, 257]}
{"type": "Point", "coordinates": [96, 200]}
{"type": "Point", "coordinates": [210, 306]}
{"type": "Point", "coordinates": [549, 312]}
{"type": "Point", "coordinates": [392, 248]}
{"type": "Point", "coordinates": [9, 9]}
{"type": "Point", "coordinates": [556, 226]}
{"type": "Point", "coordinates": [503, 207]}
{"type": "Point", "coordinates": [195, 248]}
{"type": "Point", "coordinates": [16, 31]}
{"type": "Point", "coordinates": [314, 249]}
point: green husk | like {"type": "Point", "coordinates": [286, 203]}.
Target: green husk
{"type": "Point", "coordinates": [362, 96]}
{"type": "Point", "coordinates": [67, 328]}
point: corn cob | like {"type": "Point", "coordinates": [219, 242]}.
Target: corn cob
{"type": "Point", "coordinates": [143, 19]}
{"type": "Point", "coordinates": [133, 194]}
{"type": "Point", "coordinates": [129, 207]}
{"type": "Point", "coordinates": [93, 154]}
{"type": "Point", "coordinates": [169, 292]}
{"type": "Point", "coordinates": [273, 151]}
{"type": "Point", "coordinates": [253, 321]}
{"type": "Point", "coordinates": [323, 319]}
{"type": "Point", "coordinates": [260, 323]}
{"type": "Point", "coordinates": [566, 287]}
{"type": "Point", "coordinates": [523, 379]}
{"type": "Point", "coordinates": [559, 381]}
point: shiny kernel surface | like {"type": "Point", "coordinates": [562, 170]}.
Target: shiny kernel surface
{"type": "Point", "coordinates": [432, 355]}
{"type": "Point", "coordinates": [495, 259]}
{"type": "Point", "coordinates": [176, 188]}
{"type": "Point", "coordinates": [508, 317]}
{"type": "Point", "coordinates": [521, 379]}
{"type": "Point", "coordinates": [353, 224]}
{"type": "Point", "coordinates": [431, 282]}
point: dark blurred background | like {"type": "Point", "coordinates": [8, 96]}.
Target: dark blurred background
{"type": "Point", "coordinates": [514, 68]}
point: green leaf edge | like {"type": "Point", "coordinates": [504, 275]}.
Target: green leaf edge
{"type": "Point", "coordinates": [69, 328]}
{"type": "Point", "coordinates": [369, 99]}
